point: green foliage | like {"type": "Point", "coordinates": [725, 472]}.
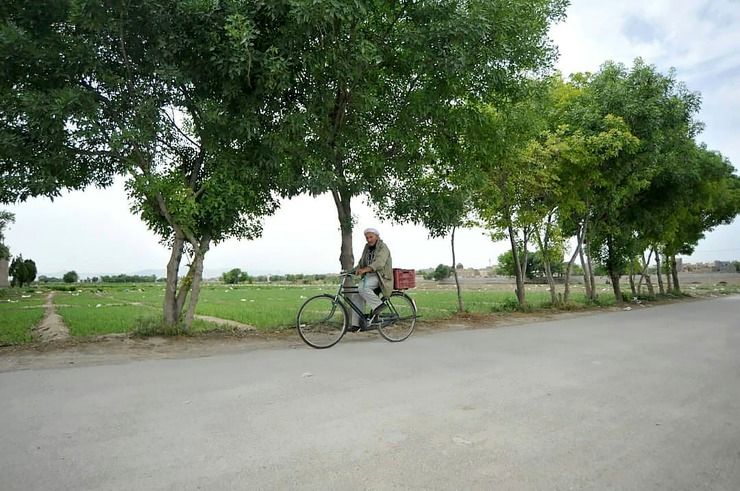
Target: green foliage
{"type": "Point", "coordinates": [126, 278]}
{"type": "Point", "coordinates": [70, 277]}
{"type": "Point", "coordinates": [441, 272]}
{"type": "Point", "coordinates": [22, 271]}
{"type": "Point", "coordinates": [235, 276]}
{"type": "Point", "coordinates": [659, 112]}
{"type": "Point", "coordinates": [61, 288]}
{"type": "Point", "coordinates": [535, 265]}
{"type": "Point", "coordinates": [182, 97]}
{"type": "Point", "coordinates": [386, 86]}
{"type": "Point", "coordinates": [154, 326]}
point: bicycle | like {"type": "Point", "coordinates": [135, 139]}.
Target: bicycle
{"type": "Point", "coordinates": [323, 319]}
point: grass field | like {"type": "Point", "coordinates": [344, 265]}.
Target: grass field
{"type": "Point", "coordinates": [20, 311]}
{"type": "Point", "coordinates": [105, 309]}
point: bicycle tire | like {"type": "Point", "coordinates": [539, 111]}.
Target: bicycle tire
{"type": "Point", "coordinates": [322, 321]}
{"type": "Point", "coordinates": [397, 323]}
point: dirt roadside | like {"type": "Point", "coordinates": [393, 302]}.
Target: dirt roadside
{"type": "Point", "coordinates": [117, 349]}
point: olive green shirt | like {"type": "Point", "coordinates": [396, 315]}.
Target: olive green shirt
{"type": "Point", "coordinates": [380, 263]}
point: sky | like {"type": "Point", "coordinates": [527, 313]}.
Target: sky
{"type": "Point", "coordinates": [94, 232]}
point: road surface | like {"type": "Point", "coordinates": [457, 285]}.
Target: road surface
{"type": "Point", "coordinates": [642, 399]}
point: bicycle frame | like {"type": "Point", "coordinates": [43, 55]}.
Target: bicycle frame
{"type": "Point", "coordinates": [345, 298]}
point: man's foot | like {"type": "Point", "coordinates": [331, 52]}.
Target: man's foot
{"type": "Point", "coordinates": [374, 316]}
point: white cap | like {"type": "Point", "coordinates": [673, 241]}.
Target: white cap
{"type": "Point", "coordinates": [371, 230]}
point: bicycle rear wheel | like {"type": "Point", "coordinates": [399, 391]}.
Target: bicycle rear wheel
{"type": "Point", "coordinates": [322, 321]}
{"type": "Point", "coordinates": [398, 321]}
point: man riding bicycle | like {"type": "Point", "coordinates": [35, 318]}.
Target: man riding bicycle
{"type": "Point", "coordinates": [376, 269]}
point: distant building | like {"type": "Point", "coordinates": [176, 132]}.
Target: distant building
{"type": "Point", "coordinates": [468, 273]}
{"type": "Point", "coordinates": [724, 266]}
{"type": "Point", "coordinates": [4, 266]}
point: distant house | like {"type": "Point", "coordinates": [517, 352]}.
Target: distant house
{"type": "Point", "coordinates": [724, 266]}
{"type": "Point", "coordinates": [4, 266]}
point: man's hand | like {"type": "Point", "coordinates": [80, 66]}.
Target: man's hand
{"type": "Point", "coordinates": [362, 271]}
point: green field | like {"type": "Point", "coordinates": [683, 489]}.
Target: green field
{"type": "Point", "coordinates": [117, 308]}
{"type": "Point", "coordinates": [107, 309]}
{"type": "Point", "coordinates": [20, 311]}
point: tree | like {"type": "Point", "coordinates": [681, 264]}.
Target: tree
{"type": "Point", "coordinates": [571, 152]}
{"type": "Point", "coordinates": [441, 272]}
{"type": "Point", "coordinates": [6, 218]}
{"type": "Point", "coordinates": [658, 111]}
{"type": "Point", "coordinates": [182, 97]}
{"type": "Point", "coordinates": [694, 192]}
{"type": "Point", "coordinates": [498, 142]}
{"type": "Point", "coordinates": [70, 277]}
{"type": "Point", "coordinates": [381, 78]}
{"type": "Point", "coordinates": [30, 271]}
{"type": "Point", "coordinates": [22, 271]}
{"type": "Point", "coordinates": [235, 276]}
{"type": "Point", "coordinates": [442, 205]}
{"type": "Point", "coordinates": [18, 271]}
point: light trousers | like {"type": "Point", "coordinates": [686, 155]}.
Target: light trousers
{"type": "Point", "coordinates": [366, 295]}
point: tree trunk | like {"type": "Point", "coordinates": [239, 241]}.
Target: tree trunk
{"type": "Point", "coordinates": [661, 288]}
{"type": "Point", "coordinates": [520, 296]}
{"type": "Point", "coordinates": [592, 278]}
{"type": "Point", "coordinates": [197, 278]}
{"type": "Point", "coordinates": [543, 244]}
{"type": "Point", "coordinates": [668, 275]}
{"type": "Point", "coordinates": [633, 287]}
{"type": "Point", "coordinates": [551, 283]}
{"type": "Point", "coordinates": [586, 276]}
{"type": "Point", "coordinates": [460, 307]}
{"type": "Point", "coordinates": [344, 213]}
{"type": "Point", "coordinates": [171, 311]}
{"type": "Point", "coordinates": [649, 284]}
{"type": "Point", "coordinates": [674, 272]}
{"type": "Point", "coordinates": [566, 292]}
{"type": "Point", "coordinates": [525, 253]}
{"type": "Point", "coordinates": [645, 275]}
{"type": "Point", "coordinates": [614, 274]}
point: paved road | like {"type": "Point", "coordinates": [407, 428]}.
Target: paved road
{"type": "Point", "coordinates": [645, 399]}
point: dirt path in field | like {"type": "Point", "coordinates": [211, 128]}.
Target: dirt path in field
{"type": "Point", "coordinates": [51, 327]}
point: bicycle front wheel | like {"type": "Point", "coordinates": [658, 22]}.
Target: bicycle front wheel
{"type": "Point", "coordinates": [398, 321]}
{"type": "Point", "coordinates": [322, 321]}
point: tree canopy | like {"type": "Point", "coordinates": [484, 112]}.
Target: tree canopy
{"type": "Point", "coordinates": [23, 271]}
{"type": "Point", "coordinates": [383, 83]}
{"type": "Point", "coordinates": [181, 97]}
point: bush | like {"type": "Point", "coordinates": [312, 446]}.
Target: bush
{"type": "Point", "coordinates": [125, 278]}
{"type": "Point", "coordinates": [70, 277]}
{"type": "Point", "coordinates": [442, 272]}
{"type": "Point", "coordinates": [60, 288]}
{"type": "Point", "coordinates": [509, 305]}
{"type": "Point", "coordinates": [154, 326]}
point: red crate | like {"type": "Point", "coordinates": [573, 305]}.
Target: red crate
{"type": "Point", "coordinates": [403, 279]}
